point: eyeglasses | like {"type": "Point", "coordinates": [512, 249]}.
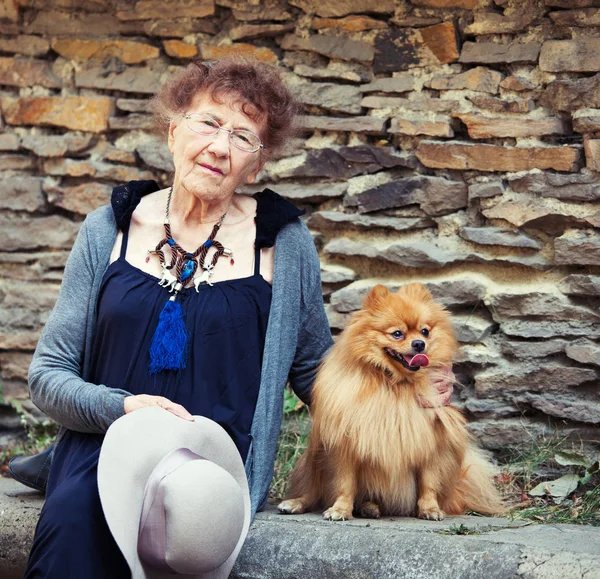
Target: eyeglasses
{"type": "Point", "coordinates": [204, 124]}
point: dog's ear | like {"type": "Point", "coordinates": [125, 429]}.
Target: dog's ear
{"type": "Point", "coordinates": [378, 294]}
{"type": "Point", "coordinates": [416, 291]}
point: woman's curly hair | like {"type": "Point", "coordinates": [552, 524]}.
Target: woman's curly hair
{"type": "Point", "coordinates": [256, 86]}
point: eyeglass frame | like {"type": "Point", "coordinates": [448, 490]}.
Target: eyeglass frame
{"type": "Point", "coordinates": [187, 117]}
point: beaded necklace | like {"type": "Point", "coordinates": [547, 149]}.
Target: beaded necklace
{"type": "Point", "coordinates": [168, 348]}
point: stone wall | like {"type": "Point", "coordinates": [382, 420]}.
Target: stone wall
{"type": "Point", "coordinates": [456, 142]}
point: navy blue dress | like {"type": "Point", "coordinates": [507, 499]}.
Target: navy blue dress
{"type": "Point", "coordinates": [227, 324]}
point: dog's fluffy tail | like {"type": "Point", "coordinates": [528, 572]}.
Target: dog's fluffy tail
{"type": "Point", "coordinates": [476, 490]}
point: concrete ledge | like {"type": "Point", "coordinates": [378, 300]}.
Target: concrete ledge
{"type": "Point", "coordinates": [296, 546]}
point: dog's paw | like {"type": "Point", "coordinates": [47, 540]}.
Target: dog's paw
{"type": "Point", "coordinates": [291, 507]}
{"type": "Point", "coordinates": [432, 514]}
{"type": "Point", "coordinates": [337, 514]}
{"type": "Point", "coordinates": [369, 510]}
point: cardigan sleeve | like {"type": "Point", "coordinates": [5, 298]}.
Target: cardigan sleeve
{"type": "Point", "coordinates": [55, 382]}
{"type": "Point", "coordinates": [314, 334]}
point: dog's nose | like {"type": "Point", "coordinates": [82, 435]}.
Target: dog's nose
{"type": "Point", "coordinates": [418, 346]}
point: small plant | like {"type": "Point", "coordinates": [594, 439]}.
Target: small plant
{"type": "Point", "coordinates": [461, 530]}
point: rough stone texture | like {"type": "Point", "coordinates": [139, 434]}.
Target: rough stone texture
{"type": "Point", "coordinates": [499, 236]}
{"type": "Point", "coordinates": [9, 142]}
{"type": "Point", "coordinates": [126, 51]}
{"type": "Point", "coordinates": [592, 154]}
{"type": "Point", "coordinates": [567, 187]}
{"type": "Point", "coordinates": [132, 79]}
{"type": "Point", "coordinates": [371, 125]}
{"type": "Point", "coordinates": [402, 104]}
{"type": "Point", "coordinates": [150, 9]}
{"type": "Point", "coordinates": [57, 23]}
{"type": "Point", "coordinates": [399, 83]}
{"type": "Point", "coordinates": [336, 70]}
{"type": "Point", "coordinates": [571, 55]}
{"type": "Point", "coordinates": [586, 120]}
{"type": "Point", "coordinates": [455, 155]}
{"type": "Point", "coordinates": [434, 126]}
{"type": "Point", "coordinates": [55, 145]}
{"type": "Point", "coordinates": [487, 189]}
{"type": "Point", "coordinates": [478, 79]}
{"type": "Point", "coordinates": [464, 4]}
{"type": "Point", "coordinates": [403, 49]}
{"type": "Point", "coordinates": [179, 49]}
{"type": "Point", "coordinates": [472, 329]}
{"type": "Point", "coordinates": [209, 52]}
{"type": "Point", "coordinates": [21, 193]}
{"type": "Point", "coordinates": [27, 72]}
{"type": "Point", "coordinates": [498, 105]}
{"type": "Point", "coordinates": [572, 94]}
{"type": "Point", "coordinates": [334, 8]}
{"type": "Point", "coordinates": [494, 53]}
{"type": "Point", "coordinates": [333, 97]}
{"type": "Point", "coordinates": [25, 44]}
{"type": "Point", "coordinates": [330, 46]}
{"type": "Point", "coordinates": [578, 247]}
{"type": "Point", "coordinates": [55, 232]}
{"type": "Point", "coordinates": [79, 199]}
{"type": "Point", "coordinates": [334, 220]}
{"type": "Point", "coordinates": [584, 17]}
{"type": "Point", "coordinates": [584, 351]}
{"type": "Point", "coordinates": [580, 285]}
{"type": "Point", "coordinates": [349, 23]}
{"type": "Point", "coordinates": [156, 154]}
{"type": "Point", "coordinates": [494, 23]}
{"type": "Point", "coordinates": [77, 113]}
{"type": "Point", "coordinates": [307, 193]}
{"type": "Point", "coordinates": [484, 126]}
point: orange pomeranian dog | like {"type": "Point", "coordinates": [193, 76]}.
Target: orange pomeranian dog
{"type": "Point", "coordinates": [373, 449]}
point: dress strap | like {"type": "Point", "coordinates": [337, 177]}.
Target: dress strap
{"type": "Point", "coordinates": [257, 261]}
{"type": "Point", "coordinates": [124, 242]}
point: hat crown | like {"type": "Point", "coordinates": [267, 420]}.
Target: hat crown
{"type": "Point", "coordinates": [204, 509]}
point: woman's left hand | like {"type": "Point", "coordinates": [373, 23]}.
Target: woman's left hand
{"type": "Point", "coordinates": [443, 381]}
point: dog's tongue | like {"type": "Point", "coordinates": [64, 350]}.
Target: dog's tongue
{"type": "Point", "coordinates": [419, 360]}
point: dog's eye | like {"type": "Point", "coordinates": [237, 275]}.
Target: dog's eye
{"type": "Point", "coordinates": [397, 335]}
{"type": "Point", "coordinates": [425, 332]}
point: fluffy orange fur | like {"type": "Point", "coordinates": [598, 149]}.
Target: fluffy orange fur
{"type": "Point", "coordinates": [373, 450]}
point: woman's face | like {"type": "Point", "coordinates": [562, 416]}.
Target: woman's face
{"type": "Point", "coordinates": [208, 166]}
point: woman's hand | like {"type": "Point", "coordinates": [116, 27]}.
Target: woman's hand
{"type": "Point", "coordinates": [133, 403]}
{"type": "Point", "coordinates": [443, 381]}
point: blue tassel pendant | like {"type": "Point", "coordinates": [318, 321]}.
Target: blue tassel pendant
{"type": "Point", "coordinates": [169, 343]}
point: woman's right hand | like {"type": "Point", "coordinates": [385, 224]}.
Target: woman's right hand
{"type": "Point", "coordinates": [133, 403]}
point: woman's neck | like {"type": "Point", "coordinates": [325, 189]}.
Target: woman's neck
{"type": "Point", "coordinates": [191, 211]}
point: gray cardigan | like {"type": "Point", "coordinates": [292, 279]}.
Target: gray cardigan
{"type": "Point", "coordinates": [297, 338]}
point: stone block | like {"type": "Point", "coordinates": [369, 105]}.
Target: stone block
{"type": "Point", "coordinates": [16, 162]}
{"type": "Point", "coordinates": [336, 274]}
{"type": "Point", "coordinates": [27, 233]}
{"type": "Point", "coordinates": [399, 83]}
{"type": "Point", "coordinates": [572, 94]}
{"type": "Point", "coordinates": [76, 113]}
{"type": "Point", "coordinates": [405, 48]}
{"type": "Point", "coordinates": [526, 350]}
{"type": "Point", "coordinates": [132, 122]}
{"type": "Point", "coordinates": [541, 305]}
{"type": "Point", "coordinates": [51, 23]}
{"type": "Point", "coordinates": [23, 72]}
{"type": "Point", "coordinates": [370, 125]}
{"type": "Point", "coordinates": [336, 8]}
{"type": "Point", "coordinates": [126, 79]}
{"type": "Point", "coordinates": [499, 236]}
{"type": "Point", "coordinates": [69, 167]}
{"type": "Point", "coordinates": [177, 28]}
{"type": "Point", "coordinates": [584, 351]}
{"type": "Point", "coordinates": [330, 46]}
{"type": "Point", "coordinates": [335, 70]}
{"type": "Point", "coordinates": [126, 51]}
{"type": "Point", "coordinates": [582, 17]}
{"type": "Point", "coordinates": [458, 155]}
{"type": "Point", "coordinates": [349, 23]}
{"type": "Point", "coordinates": [584, 186]}
{"type": "Point", "coordinates": [78, 198]}
{"type": "Point", "coordinates": [15, 365]}
{"type": "Point", "coordinates": [586, 120]}
{"type": "Point", "coordinates": [431, 125]}
{"type": "Point", "coordinates": [156, 154]}
{"type": "Point", "coordinates": [494, 23]}
{"type": "Point", "coordinates": [571, 3]}
{"type": "Point", "coordinates": [517, 84]}
{"type": "Point", "coordinates": [472, 329]}
{"type": "Point", "coordinates": [134, 105]}
{"type": "Point", "coordinates": [420, 104]}
{"type": "Point", "coordinates": [121, 173]}
{"type": "Point", "coordinates": [494, 53]}
{"type": "Point", "coordinates": [155, 9]}
{"type": "Point", "coordinates": [253, 31]}
{"type": "Point", "coordinates": [479, 79]}
{"type": "Point", "coordinates": [9, 142]}
{"type": "Point", "coordinates": [580, 285]}
{"type": "Point", "coordinates": [335, 220]}
{"type": "Point", "coordinates": [247, 12]}
{"type": "Point", "coordinates": [210, 52]}
{"type": "Point", "coordinates": [577, 247]}
{"type": "Point", "coordinates": [592, 154]}
{"type": "Point", "coordinates": [303, 192]}
{"type": "Point", "coordinates": [581, 55]}
{"type": "Point", "coordinates": [464, 4]}
{"type": "Point", "coordinates": [485, 126]}
{"type": "Point", "coordinates": [180, 49]}
{"type": "Point", "coordinates": [329, 96]}
{"type": "Point", "coordinates": [21, 193]}
{"type": "Point", "coordinates": [498, 105]}
{"type": "Point", "coordinates": [119, 155]}
{"type": "Point", "coordinates": [25, 44]}
{"type": "Point", "coordinates": [487, 189]}
{"type": "Point", "coordinates": [55, 145]}
{"type": "Point", "coordinates": [9, 10]}
{"type": "Point", "coordinates": [565, 407]}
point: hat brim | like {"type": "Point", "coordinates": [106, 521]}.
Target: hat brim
{"type": "Point", "coordinates": [133, 446]}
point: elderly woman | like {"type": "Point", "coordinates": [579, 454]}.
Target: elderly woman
{"type": "Point", "coordinates": [193, 298]}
